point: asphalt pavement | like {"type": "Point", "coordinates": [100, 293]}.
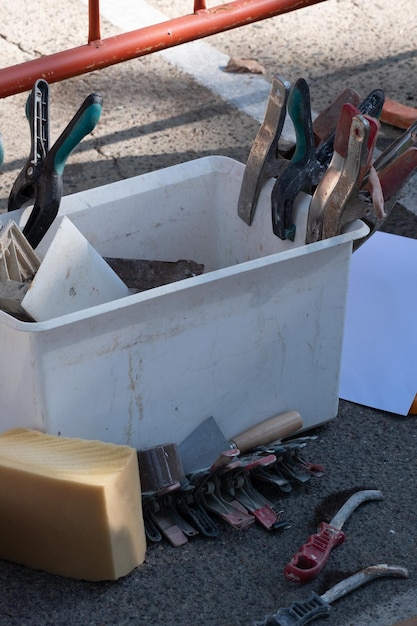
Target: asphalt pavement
{"type": "Point", "coordinates": [165, 109]}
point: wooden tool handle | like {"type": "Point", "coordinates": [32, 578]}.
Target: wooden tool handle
{"type": "Point", "coordinates": [272, 429]}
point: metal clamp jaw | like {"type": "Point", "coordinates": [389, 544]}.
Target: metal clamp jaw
{"type": "Point", "coordinates": [292, 175]}
{"type": "Point", "coordinates": [264, 161]}
{"type": "Point", "coordinates": [314, 166]}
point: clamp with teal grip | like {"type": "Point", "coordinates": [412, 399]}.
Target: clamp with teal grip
{"type": "Point", "coordinates": [40, 180]}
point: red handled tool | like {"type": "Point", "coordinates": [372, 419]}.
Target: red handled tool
{"type": "Point", "coordinates": [313, 555]}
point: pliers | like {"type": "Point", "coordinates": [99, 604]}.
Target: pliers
{"type": "Point", "coordinates": [40, 180]}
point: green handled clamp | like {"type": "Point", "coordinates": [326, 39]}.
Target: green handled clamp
{"type": "Point", "coordinates": [40, 180]}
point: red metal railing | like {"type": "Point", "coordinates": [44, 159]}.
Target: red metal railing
{"type": "Point", "coordinates": [99, 53]}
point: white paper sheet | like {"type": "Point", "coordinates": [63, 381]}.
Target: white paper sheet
{"type": "Point", "coordinates": [378, 367]}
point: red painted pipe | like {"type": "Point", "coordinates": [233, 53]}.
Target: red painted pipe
{"type": "Point", "coordinates": [94, 32]}
{"type": "Point", "coordinates": [100, 53]}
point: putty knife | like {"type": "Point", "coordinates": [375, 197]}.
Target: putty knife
{"type": "Point", "coordinates": [206, 442]}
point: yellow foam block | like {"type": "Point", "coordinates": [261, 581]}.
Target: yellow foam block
{"type": "Point", "coordinates": [70, 506]}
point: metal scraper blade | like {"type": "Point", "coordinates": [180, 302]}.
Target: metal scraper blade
{"type": "Point", "coordinates": [203, 445]}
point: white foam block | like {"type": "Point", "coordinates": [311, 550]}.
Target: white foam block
{"type": "Point", "coordinates": [72, 277]}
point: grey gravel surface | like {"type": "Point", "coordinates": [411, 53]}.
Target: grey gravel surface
{"type": "Point", "coordinates": [154, 116]}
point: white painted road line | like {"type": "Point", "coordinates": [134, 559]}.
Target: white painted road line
{"type": "Point", "coordinates": [247, 92]}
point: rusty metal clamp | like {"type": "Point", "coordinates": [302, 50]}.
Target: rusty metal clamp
{"type": "Point", "coordinates": [239, 486]}
{"type": "Point", "coordinates": [335, 213]}
{"type": "Point", "coordinates": [337, 195]}
{"type": "Point", "coordinates": [310, 559]}
{"type": "Point", "coordinates": [264, 161]}
{"type": "Point", "coordinates": [229, 509]}
{"type": "Point", "coordinates": [161, 474]}
{"type": "Point", "coordinates": [393, 168]}
{"type": "Point", "coordinates": [190, 497]}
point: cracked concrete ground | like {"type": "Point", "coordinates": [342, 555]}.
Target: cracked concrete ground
{"type": "Point", "coordinates": [156, 115]}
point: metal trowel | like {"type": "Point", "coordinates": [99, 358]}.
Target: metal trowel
{"type": "Point", "coordinates": [206, 442]}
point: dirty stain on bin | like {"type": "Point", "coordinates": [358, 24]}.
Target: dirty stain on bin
{"type": "Point", "coordinates": [135, 402]}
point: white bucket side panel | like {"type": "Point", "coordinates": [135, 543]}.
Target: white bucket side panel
{"type": "Point", "coordinates": [240, 349]}
{"type": "Point", "coordinates": [23, 402]}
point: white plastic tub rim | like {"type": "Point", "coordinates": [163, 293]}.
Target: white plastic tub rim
{"type": "Point", "coordinates": [158, 292]}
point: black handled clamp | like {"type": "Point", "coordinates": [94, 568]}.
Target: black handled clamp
{"type": "Point", "coordinates": [40, 180]}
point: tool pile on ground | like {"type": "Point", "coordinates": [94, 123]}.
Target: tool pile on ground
{"type": "Point", "coordinates": [332, 160]}
{"type": "Point", "coordinates": [186, 488]}
{"type": "Point", "coordinates": [180, 501]}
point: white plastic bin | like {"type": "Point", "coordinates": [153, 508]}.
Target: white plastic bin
{"type": "Point", "coordinates": [259, 333]}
